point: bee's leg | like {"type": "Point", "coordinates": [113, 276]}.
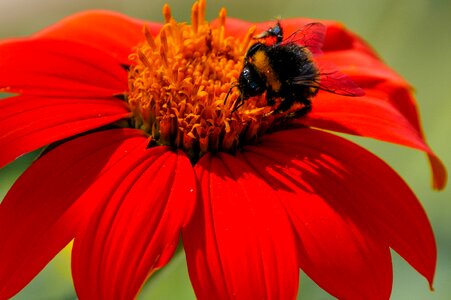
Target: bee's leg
{"type": "Point", "coordinates": [270, 97]}
{"type": "Point", "coordinates": [284, 105]}
{"type": "Point", "coordinates": [228, 93]}
{"type": "Point", "coordinates": [303, 110]}
{"type": "Point", "coordinates": [288, 102]}
{"type": "Point", "coordinates": [238, 103]}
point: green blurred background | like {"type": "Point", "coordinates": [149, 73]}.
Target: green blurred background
{"type": "Point", "coordinates": [412, 36]}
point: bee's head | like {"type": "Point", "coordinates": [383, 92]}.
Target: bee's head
{"type": "Point", "coordinates": [250, 82]}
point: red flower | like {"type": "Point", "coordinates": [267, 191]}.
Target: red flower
{"type": "Point", "coordinates": [143, 153]}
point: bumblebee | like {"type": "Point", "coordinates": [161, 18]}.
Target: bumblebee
{"type": "Point", "coordinates": [286, 69]}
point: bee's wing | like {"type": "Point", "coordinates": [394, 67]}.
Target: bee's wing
{"type": "Point", "coordinates": [310, 36]}
{"type": "Point", "coordinates": [330, 79]}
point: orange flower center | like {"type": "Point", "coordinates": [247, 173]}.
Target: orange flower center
{"type": "Point", "coordinates": [179, 82]}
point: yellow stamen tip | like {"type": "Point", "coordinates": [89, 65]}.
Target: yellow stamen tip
{"type": "Point", "coordinates": [222, 16]}
{"type": "Point", "coordinates": [179, 82]}
{"type": "Point", "coordinates": [202, 8]}
{"type": "Point", "coordinates": [247, 39]}
{"type": "Point", "coordinates": [149, 38]}
{"type": "Point", "coordinates": [195, 16]}
{"type": "Point", "coordinates": [167, 13]}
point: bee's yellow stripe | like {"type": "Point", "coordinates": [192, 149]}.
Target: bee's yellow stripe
{"type": "Point", "coordinates": [261, 62]}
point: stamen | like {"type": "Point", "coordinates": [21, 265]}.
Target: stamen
{"type": "Point", "coordinates": [164, 48]}
{"type": "Point", "coordinates": [149, 38]}
{"type": "Point", "coordinates": [143, 59]}
{"type": "Point", "coordinates": [167, 13]}
{"type": "Point", "coordinates": [222, 17]}
{"type": "Point", "coordinates": [202, 8]}
{"type": "Point", "coordinates": [195, 16]}
{"type": "Point", "coordinates": [247, 39]}
{"type": "Point", "coordinates": [183, 87]}
{"type": "Point", "coordinates": [222, 20]}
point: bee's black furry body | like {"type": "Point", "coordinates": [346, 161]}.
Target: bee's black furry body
{"type": "Point", "coordinates": [278, 70]}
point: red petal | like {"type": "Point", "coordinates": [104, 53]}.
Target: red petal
{"type": "Point", "coordinates": [28, 123]}
{"type": "Point", "coordinates": [234, 27]}
{"type": "Point", "coordinates": [362, 67]}
{"type": "Point", "coordinates": [377, 79]}
{"type": "Point", "coordinates": [358, 186]}
{"type": "Point", "coordinates": [239, 243]}
{"type": "Point", "coordinates": [356, 59]}
{"type": "Point", "coordinates": [338, 38]}
{"type": "Point", "coordinates": [62, 68]}
{"type": "Point", "coordinates": [370, 117]}
{"type": "Point", "coordinates": [347, 261]}
{"type": "Point", "coordinates": [364, 116]}
{"type": "Point", "coordinates": [145, 202]}
{"type": "Point", "coordinates": [440, 175]}
{"type": "Point", "coordinates": [111, 32]}
{"type": "Point", "coordinates": [353, 57]}
{"type": "Point", "coordinates": [40, 213]}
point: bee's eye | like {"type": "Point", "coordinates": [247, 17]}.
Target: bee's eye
{"type": "Point", "coordinates": [250, 82]}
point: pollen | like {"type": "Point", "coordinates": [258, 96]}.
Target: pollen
{"type": "Point", "coordinates": [181, 87]}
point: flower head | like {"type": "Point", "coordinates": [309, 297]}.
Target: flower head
{"type": "Point", "coordinates": [150, 137]}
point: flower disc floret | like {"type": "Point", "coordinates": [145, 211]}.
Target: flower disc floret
{"type": "Point", "coordinates": [179, 83]}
